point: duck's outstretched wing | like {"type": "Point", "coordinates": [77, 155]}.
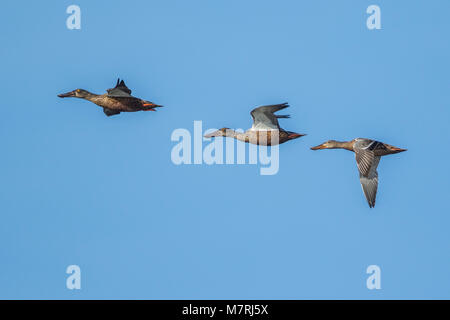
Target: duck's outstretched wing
{"type": "Point", "coordinates": [110, 112]}
{"type": "Point", "coordinates": [120, 90]}
{"type": "Point", "coordinates": [369, 183]}
{"type": "Point", "coordinates": [366, 150]}
{"type": "Point", "coordinates": [370, 186]}
{"type": "Point", "coordinates": [265, 119]}
{"type": "Point", "coordinates": [367, 163]}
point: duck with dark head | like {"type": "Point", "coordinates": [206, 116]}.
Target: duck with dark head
{"type": "Point", "coordinates": [115, 101]}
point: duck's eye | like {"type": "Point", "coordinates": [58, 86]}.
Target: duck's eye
{"type": "Point", "coordinates": [78, 90]}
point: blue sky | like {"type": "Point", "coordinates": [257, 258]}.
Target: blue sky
{"type": "Point", "coordinates": [80, 188]}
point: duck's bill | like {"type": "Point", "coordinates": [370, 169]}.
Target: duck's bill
{"type": "Point", "coordinates": [209, 135]}
{"type": "Point", "coordinates": [319, 147]}
{"type": "Point", "coordinates": [217, 133]}
{"type": "Point", "coordinates": [68, 94]}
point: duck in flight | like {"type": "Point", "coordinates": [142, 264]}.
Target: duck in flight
{"type": "Point", "coordinates": [265, 129]}
{"type": "Point", "coordinates": [368, 153]}
{"type": "Point", "coordinates": [115, 101]}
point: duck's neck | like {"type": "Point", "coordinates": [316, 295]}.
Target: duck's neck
{"type": "Point", "coordinates": [236, 135]}
{"type": "Point", "coordinates": [91, 97]}
{"type": "Point", "coordinates": [347, 145]}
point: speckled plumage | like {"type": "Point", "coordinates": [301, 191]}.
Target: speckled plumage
{"type": "Point", "coordinates": [115, 101]}
{"type": "Point", "coordinates": [265, 129]}
{"type": "Point", "coordinates": [368, 154]}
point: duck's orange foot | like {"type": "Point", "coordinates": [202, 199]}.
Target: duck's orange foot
{"type": "Point", "coordinates": [146, 105]}
{"type": "Point", "coordinates": [295, 135]}
{"type": "Point", "coordinates": [396, 150]}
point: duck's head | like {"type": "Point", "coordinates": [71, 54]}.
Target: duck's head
{"type": "Point", "coordinates": [219, 133]}
{"type": "Point", "coordinates": [330, 144]}
{"type": "Point", "coordinates": [77, 93]}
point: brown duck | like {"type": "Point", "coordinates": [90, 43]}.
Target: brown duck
{"type": "Point", "coordinates": [368, 153]}
{"type": "Point", "coordinates": [265, 129]}
{"type": "Point", "coordinates": [115, 101]}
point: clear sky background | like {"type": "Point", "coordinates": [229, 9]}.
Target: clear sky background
{"type": "Point", "coordinates": [80, 188]}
